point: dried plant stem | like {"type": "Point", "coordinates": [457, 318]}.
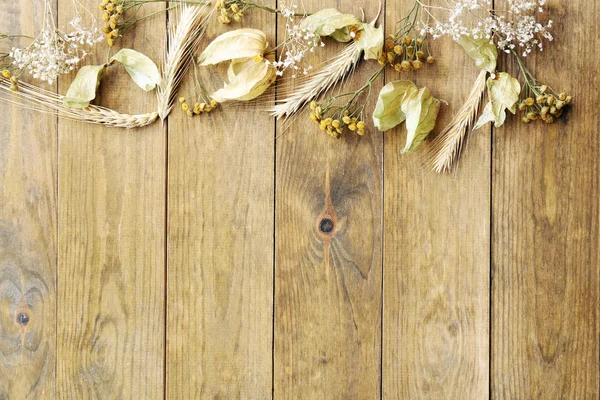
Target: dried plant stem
{"type": "Point", "coordinates": [319, 82]}
{"type": "Point", "coordinates": [184, 40]}
{"type": "Point", "coordinates": [34, 98]}
{"type": "Point", "coordinates": [446, 147]}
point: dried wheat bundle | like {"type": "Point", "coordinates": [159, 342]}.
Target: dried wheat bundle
{"type": "Point", "coordinates": [446, 147]}
{"type": "Point", "coordinates": [184, 39]}
{"type": "Point", "coordinates": [35, 98]}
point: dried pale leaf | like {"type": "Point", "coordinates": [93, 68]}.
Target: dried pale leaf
{"type": "Point", "coordinates": [250, 80]}
{"type": "Point", "coordinates": [482, 51]}
{"type": "Point", "coordinates": [240, 43]}
{"type": "Point", "coordinates": [142, 69]}
{"type": "Point", "coordinates": [503, 92]}
{"type": "Point", "coordinates": [370, 40]}
{"type": "Point", "coordinates": [388, 112]}
{"type": "Point", "coordinates": [330, 22]}
{"type": "Point", "coordinates": [84, 86]}
{"type": "Point", "coordinates": [421, 110]}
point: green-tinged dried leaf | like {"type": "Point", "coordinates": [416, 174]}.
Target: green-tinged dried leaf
{"type": "Point", "coordinates": [240, 43]}
{"type": "Point", "coordinates": [248, 80]}
{"type": "Point", "coordinates": [330, 22]}
{"type": "Point", "coordinates": [482, 51]}
{"type": "Point", "coordinates": [503, 92]}
{"type": "Point", "coordinates": [370, 40]}
{"type": "Point", "coordinates": [388, 112]}
{"type": "Point", "coordinates": [421, 110]}
{"type": "Point", "coordinates": [84, 86]}
{"type": "Point", "coordinates": [142, 69]}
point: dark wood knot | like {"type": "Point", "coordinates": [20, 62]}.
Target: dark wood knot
{"type": "Point", "coordinates": [22, 319]}
{"type": "Point", "coordinates": [326, 225]}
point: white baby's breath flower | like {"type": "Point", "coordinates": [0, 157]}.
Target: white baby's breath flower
{"type": "Point", "coordinates": [518, 27]}
{"type": "Point", "coordinates": [55, 52]}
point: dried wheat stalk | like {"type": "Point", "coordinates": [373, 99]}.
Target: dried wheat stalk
{"type": "Point", "coordinates": [319, 82]}
{"type": "Point", "coordinates": [184, 40]}
{"type": "Point", "coordinates": [34, 98]}
{"type": "Point", "coordinates": [445, 148]}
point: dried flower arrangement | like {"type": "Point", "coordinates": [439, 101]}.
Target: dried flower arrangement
{"type": "Point", "coordinates": [254, 66]}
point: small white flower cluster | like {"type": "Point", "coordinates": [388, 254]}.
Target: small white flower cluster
{"type": "Point", "coordinates": [518, 27]}
{"type": "Point", "coordinates": [297, 44]}
{"type": "Point", "coordinates": [55, 52]}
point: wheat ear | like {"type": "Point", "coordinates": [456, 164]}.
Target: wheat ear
{"type": "Point", "coordinates": [318, 82]}
{"type": "Point", "coordinates": [184, 39]}
{"type": "Point", "coordinates": [35, 98]}
{"type": "Point", "coordinates": [445, 148]}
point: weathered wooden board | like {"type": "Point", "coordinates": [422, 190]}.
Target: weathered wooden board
{"type": "Point", "coordinates": [437, 249]}
{"type": "Point", "coordinates": [111, 255]}
{"type": "Point", "coordinates": [28, 192]}
{"type": "Point", "coordinates": [220, 245]}
{"type": "Point", "coordinates": [328, 273]}
{"type": "Point", "coordinates": [546, 265]}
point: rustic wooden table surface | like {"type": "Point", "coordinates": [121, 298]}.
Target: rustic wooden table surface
{"type": "Point", "coordinates": [185, 260]}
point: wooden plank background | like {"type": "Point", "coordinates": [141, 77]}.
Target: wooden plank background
{"type": "Point", "coordinates": [185, 260]}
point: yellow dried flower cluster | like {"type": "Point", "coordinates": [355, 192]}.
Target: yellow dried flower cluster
{"type": "Point", "coordinates": [14, 82]}
{"type": "Point", "coordinates": [230, 10]}
{"type": "Point", "coordinates": [544, 104]}
{"type": "Point", "coordinates": [199, 107]}
{"type": "Point", "coordinates": [405, 53]}
{"type": "Point", "coordinates": [334, 124]}
{"type": "Point", "coordinates": [112, 11]}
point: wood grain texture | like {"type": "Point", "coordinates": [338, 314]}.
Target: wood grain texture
{"type": "Point", "coordinates": [436, 259]}
{"type": "Point", "coordinates": [328, 284]}
{"type": "Point", "coordinates": [546, 265]}
{"type": "Point", "coordinates": [111, 239]}
{"type": "Point", "coordinates": [220, 244]}
{"type": "Point", "coordinates": [28, 165]}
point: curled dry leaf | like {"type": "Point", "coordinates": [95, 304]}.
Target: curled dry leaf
{"type": "Point", "coordinates": [330, 22]}
{"type": "Point", "coordinates": [142, 69]}
{"type": "Point", "coordinates": [503, 92]}
{"type": "Point", "coordinates": [482, 51]}
{"type": "Point", "coordinates": [248, 79]}
{"type": "Point", "coordinates": [402, 101]}
{"type": "Point", "coordinates": [83, 88]}
{"type": "Point", "coordinates": [370, 40]}
{"type": "Point", "coordinates": [240, 43]}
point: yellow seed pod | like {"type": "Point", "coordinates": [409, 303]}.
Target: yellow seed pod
{"type": "Point", "coordinates": [551, 100]}
{"type": "Point", "coordinates": [522, 106]}
{"type": "Point", "coordinates": [335, 123]}
{"type": "Point", "coordinates": [543, 88]}
{"type": "Point", "coordinates": [420, 55]}
{"type": "Point", "coordinates": [120, 10]}
{"type": "Point", "coordinates": [115, 33]}
{"type": "Point", "coordinates": [213, 102]}
{"type": "Point", "coordinates": [322, 125]}
{"type": "Point", "coordinates": [398, 50]}
{"type": "Point", "coordinates": [550, 120]}
{"type": "Point", "coordinates": [110, 42]}
{"type": "Point", "coordinates": [532, 116]}
{"type": "Point", "coordinates": [417, 64]}
{"type": "Point", "coordinates": [410, 51]}
{"type": "Point", "coordinates": [540, 99]}
{"type": "Point", "coordinates": [237, 17]}
{"type": "Point", "coordinates": [106, 29]}
{"type": "Point", "coordinates": [398, 67]}
{"type": "Point", "coordinates": [545, 111]}
{"type": "Point", "coordinates": [319, 111]}
{"type": "Point", "coordinates": [352, 127]}
{"type": "Point", "coordinates": [328, 121]}
{"type": "Point", "coordinates": [390, 57]}
{"type": "Point", "coordinates": [419, 42]}
{"type": "Point", "coordinates": [562, 96]}
{"type": "Point", "coordinates": [361, 125]}
{"type": "Point", "coordinates": [430, 60]}
{"type": "Point", "coordinates": [553, 110]}
{"type": "Point", "coordinates": [105, 16]}
{"type": "Point", "coordinates": [313, 116]}
{"type": "Point", "coordinates": [346, 120]}
{"type": "Point", "coordinates": [110, 7]}
{"type": "Point", "coordinates": [525, 120]}
{"type": "Point", "coordinates": [407, 40]}
{"type": "Point", "coordinates": [313, 105]}
{"type": "Point", "coordinates": [569, 99]}
{"type": "Point", "coordinates": [360, 132]}
{"type": "Point", "coordinates": [234, 8]}
{"type": "Point", "coordinates": [105, 2]}
{"type": "Point", "coordinates": [181, 99]}
{"type": "Point", "coordinates": [382, 60]}
{"type": "Point", "coordinates": [189, 113]}
{"type": "Point", "coordinates": [406, 65]}
{"type": "Point", "coordinates": [6, 73]}
{"type": "Point", "coordinates": [529, 101]}
{"type": "Point", "coordinates": [203, 107]}
{"type": "Point", "coordinates": [185, 107]}
{"type": "Point", "coordinates": [114, 1]}
{"type": "Point", "coordinates": [560, 104]}
{"type": "Point", "coordinates": [113, 25]}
